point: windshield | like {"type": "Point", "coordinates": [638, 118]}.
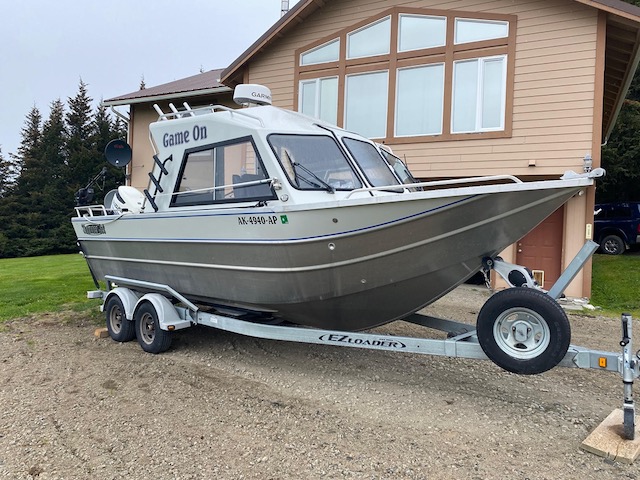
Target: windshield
{"type": "Point", "coordinates": [314, 162]}
{"type": "Point", "coordinates": [401, 169]}
{"type": "Point", "coordinates": [372, 164]}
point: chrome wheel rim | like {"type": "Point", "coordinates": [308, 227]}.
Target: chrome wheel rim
{"type": "Point", "coordinates": [521, 333]}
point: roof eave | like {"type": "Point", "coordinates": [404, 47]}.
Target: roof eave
{"type": "Point", "coordinates": [620, 8]}
{"type": "Point", "coordinates": [290, 17]}
{"type": "Point", "coordinates": [166, 96]}
{"type": "Point", "coordinates": [623, 92]}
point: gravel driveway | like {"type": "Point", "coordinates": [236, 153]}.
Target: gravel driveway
{"type": "Point", "coordinates": [222, 406]}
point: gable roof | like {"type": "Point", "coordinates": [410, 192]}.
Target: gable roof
{"type": "Point", "coordinates": [621, 57]}
{"type": "Point", "coordinates": [197, 85]}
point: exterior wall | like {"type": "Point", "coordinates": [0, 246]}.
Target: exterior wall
{"type": "Point", "coordinates": [553, 98]}
{"type": "Point", "coordinates": [142, 151]}
{"type": "Point", "coordinates": [557, 92]}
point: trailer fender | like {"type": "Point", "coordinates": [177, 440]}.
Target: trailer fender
{"type": "Point", "coordinates": [168, 317]}
{"type": "Point", "coordinates": [128, 298]}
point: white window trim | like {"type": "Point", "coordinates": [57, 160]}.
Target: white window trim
{"type": "Point", "coordinates": [479, 103]}
{"type": "Point", "coordinates": [346, 95]}
{"type": "Point", "coordinates": [477, 20]}
{"type": "Point", "coordinates": [395, 126]}
{"type": "Point", "coordinates": [335, 40]}
{"type": "Point", "coordinates": [316, 105]}
{"type": "Point", "coordinates": [364, 27]}
{"type": "Point", "coordinates": [415, 15]}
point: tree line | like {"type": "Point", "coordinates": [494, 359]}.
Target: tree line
{"type": "Point", "coordinates": [55, 158]}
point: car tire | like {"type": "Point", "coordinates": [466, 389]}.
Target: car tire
{"type": "Point", "coordinates": [612, 245]}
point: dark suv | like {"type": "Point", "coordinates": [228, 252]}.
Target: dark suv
{"type": "Point", "coordinates": [617, 226]}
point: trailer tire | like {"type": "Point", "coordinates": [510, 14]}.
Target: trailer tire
{"type": "Point", "coordinates": [120, 329]}
{"type": "Point", "coordinates": [523, 330]}
{"type": "Point", "coordinates": [150, 336]}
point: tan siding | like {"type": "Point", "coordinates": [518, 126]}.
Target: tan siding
{"type": "Point", "coordinates": [141, 149]}
{"type": "Point", "coordinates": [553, 85]}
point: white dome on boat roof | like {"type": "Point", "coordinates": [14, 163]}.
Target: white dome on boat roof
{"type": "Point", "coordinates": [251, 93]}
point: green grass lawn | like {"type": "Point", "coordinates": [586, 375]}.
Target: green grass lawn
{"type": "Point", "coordinates": [60, 282]}
{"type": "Point", "coordinates": [616, 284]}
{"type": "Point", "coordinates": [44, 284]}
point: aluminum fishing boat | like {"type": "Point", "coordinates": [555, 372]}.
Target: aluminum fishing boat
{"type": "Point", "coordinates": [269, 210]}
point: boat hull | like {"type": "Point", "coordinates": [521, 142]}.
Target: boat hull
{"type": "Point", "coordinates": [347, 266]}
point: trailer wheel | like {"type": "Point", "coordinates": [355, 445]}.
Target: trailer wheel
{"type": "Point", "coordinates": [120, 329]}
{"type": "Point", "coordinates": [523, 330]}
{"type": "Point", "coordinates": [151, 337]}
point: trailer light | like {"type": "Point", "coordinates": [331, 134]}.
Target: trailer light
{"type": "Point", "coordinates": [602, 362]}
{"type": "Point", "coordinates": [171, 328]}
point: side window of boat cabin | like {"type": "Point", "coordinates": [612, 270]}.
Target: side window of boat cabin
{"type": "Point", "coordinates": [413, 75]}
{"type": "Point", "coordinates": [225, 173]}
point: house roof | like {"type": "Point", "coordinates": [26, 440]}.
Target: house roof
{"type": "Point", "coordinates": [621, 57]}
{"type": "Point", "coordinates": [196, 85]}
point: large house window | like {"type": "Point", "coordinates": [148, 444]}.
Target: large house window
{"type": "Point", "coordinates": [419, 100]}
{"type": "Point", "coordinates": [416, 32]}
{"type": "Point", "coordinates": [470, 30]}
{"type": "Point", "coordinates": [413, 74]}
{"type": "Point", "coordinates": [478, 94]}
{"type": "Point", "coordinates": [366, 104]}
{"type": "Point", "coordinates": [329, 52]}
{"type": "Point", "coordinates": [370, 40]}
{"type": "Point", "coordinates": [319, 98]}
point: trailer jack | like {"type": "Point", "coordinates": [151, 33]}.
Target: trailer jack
{"type": "Point", "coordinates": [630, 370]}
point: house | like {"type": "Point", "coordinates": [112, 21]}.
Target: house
{"type": "Point", "coordinates": [456, 88]}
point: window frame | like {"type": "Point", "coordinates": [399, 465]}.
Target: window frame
{"type": "Point", "coordinates": [318, 96]}
{"type": "Point", "coordinates": [396, 115]}
{"type": "Point", "coordinates": [482, 61]}
{"type": "Point", "coordinates": [212, 146]}
{"type": "Point", "coordinates": [396, 60]}
{"type": "Point", "coordinates": [361, 74]}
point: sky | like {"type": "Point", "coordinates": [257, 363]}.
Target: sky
{"type": "Point", "coordinates": [47, 47]}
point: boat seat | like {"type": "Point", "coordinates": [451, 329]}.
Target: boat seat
{"type": "Point", "coordinates": [251, 191]}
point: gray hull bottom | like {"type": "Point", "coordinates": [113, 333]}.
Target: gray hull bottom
{"type": "Point", "coordinates": [366, 279]}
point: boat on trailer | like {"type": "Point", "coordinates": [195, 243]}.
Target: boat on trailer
{"type": "Point", "coordinates": [269, 210]}
{"type": "Point", "coordinates": [269, 223]}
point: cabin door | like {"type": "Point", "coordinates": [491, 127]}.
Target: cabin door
{"type": "Point", "coordinates": [541, 249]}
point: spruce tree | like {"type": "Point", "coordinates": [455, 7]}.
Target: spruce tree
{"type": "Point", "coordinates": [82, 163]}
{"type": "Point", "coordinates": [105, 130]}
{"type": "Point", "coordinates": [5, 175]}
{"type": "Point", "coordinates": [15, 207]}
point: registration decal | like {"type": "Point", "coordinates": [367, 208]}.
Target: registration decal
{"type": "Point", "coordinates": [94, 229]}
{"type": "Point", "coordinates": [262, 220]}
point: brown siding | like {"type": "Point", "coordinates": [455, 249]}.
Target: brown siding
{"type": "Point", "coordinates": [553, 96]}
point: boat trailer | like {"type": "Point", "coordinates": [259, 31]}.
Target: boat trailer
{"type": "Point", "coordinates": [150, 312]}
